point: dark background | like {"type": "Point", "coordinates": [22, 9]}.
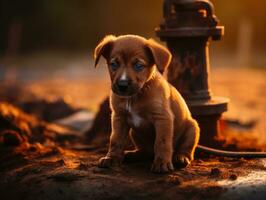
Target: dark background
{"type": "Point", "coordinates": [29, 25]}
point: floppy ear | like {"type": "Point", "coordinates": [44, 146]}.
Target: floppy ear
{"type": "Point", "coordinates": [161, 55]}
{"type": "Point", "coordinates": [103, 48]}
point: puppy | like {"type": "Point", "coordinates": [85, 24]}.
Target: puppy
{"type": "Point", "coordinates": [145, 106]}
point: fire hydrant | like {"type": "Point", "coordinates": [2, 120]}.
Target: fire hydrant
{"type": "Point", "coordinates": [187, 29]}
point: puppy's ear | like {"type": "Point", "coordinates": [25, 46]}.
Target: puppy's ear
{"type": "Point", "coordinates": [103, 48]}
{"type": "Point", "coordinates": [161, 55]}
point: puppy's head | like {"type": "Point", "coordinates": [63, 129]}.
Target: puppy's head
{"type": "Point", "coordinates": [131, 60]}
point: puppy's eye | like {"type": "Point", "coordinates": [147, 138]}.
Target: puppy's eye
{"type": "Point", "coordinates": [114, 65]}
{"type": "Point", "coordinates": [138, 67]}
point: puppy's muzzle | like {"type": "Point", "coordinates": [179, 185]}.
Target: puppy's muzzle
{"type": "Point", "coordinates": [124, 88]}
{"type": "Point", "coordinates": [123, 85]}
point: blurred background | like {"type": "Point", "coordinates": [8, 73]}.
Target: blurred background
{"type": "Point", "coordinates": [76, 26]}
{"type": "Point", "coordinates": [47, 46]}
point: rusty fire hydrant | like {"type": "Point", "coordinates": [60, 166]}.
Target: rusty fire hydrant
{"type": "Point", "coordinates": [187, 28]}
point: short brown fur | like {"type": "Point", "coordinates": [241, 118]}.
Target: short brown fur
{"type": "Point", "coordinates": [150, 109]}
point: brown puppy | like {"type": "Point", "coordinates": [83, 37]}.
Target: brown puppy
{"type": "Point", "coordinates": [145, 105]}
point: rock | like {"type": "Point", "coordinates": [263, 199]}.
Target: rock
{"type": "Point", "coordinates": [233, 177]}
{"type": "Point", "coordinates": [215, 172]}
{"type": "Point", "coordinates": [174, 180]}
{"type": "Point", "coordinates": [11, 138]}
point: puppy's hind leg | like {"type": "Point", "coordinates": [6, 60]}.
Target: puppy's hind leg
{"type": "Point", "coordinates": [143, 143]}
{"type": "Point", "coordinates": [187, 144]}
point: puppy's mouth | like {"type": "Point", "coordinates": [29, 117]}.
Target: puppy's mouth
{"type": "Point", "coordinates": [125, 91]}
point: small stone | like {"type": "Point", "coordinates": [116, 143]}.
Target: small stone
{"type": "Point", "coordinates": [200, 161]}
{"type": "Point", "coordinates": [215, 172]}
{"type": "Point", "coordinates": [11, 138]}
{"type": "Point", "coordinates": [174, 180]}
{"type": "Point", "coordinates": [233, 177]}
{"type": "Point", "coordinates": [32, 148]}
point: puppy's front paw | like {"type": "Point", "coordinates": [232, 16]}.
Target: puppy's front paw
{"type": "Point", "coordinates": [181, 161]}
{"type": "Point", "coordinates": [162, 166]}
{"type": "Point", "coordinates": [107, 162]}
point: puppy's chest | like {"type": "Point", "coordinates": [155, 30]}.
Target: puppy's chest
{"type": "Point", "coordinates": [135, 116]}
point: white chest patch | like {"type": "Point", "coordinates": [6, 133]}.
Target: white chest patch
{"type": "Point", "coordinates": [136, 119]}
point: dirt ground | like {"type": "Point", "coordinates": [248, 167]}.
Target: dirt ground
{"type": "Point", "coordinates": [40, 159]}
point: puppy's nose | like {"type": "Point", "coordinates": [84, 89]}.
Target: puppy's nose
{"type": "Point", "coordinates": [123, 85]}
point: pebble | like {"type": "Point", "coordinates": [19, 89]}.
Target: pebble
{"type": "Point", "coordinates": [11, 138]}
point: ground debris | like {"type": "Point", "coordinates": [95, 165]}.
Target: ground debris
{"type": "Point", "coordinates": [46, 162]}
{"type": "Point", "coordinates": [43, 108]}
{"type": "Point", "coordinates": [215, 172]}
{"type": "Point", "coordinates": [233, 177]}
{"type": "Point", "coordinates": [17, 127]}
{"type": "Point", "coordinates": [66, 176]}
{"type": "Point", "coordinates": [11, 138]}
